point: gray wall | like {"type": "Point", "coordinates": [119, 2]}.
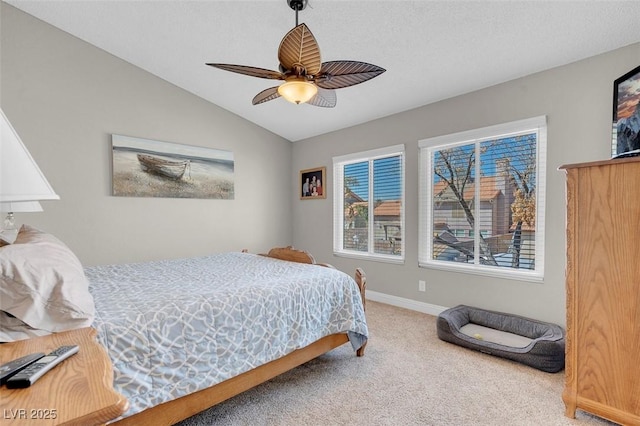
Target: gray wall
{"type": "Point", "coordinates": [577, 99]}
{"type": "Point", "coordinates": [65, 98]}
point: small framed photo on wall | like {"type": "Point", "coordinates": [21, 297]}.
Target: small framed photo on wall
{"type": "Point", "coordinates": [313, 183]}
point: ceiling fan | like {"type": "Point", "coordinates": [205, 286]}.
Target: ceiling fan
{"type": "Point", "coordinates": [306, 78]}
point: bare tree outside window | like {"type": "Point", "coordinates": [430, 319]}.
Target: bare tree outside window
{"type": "Point", "coordinates": [491, 199]}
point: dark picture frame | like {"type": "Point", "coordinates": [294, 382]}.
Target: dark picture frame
{"type": "Point", "coordinates": [625, 141]}
{"type": "Point", "coordinates": [313, 183]}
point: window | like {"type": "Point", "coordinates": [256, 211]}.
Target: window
{"type": "Point", "coordinates": [369, 204]}
{"type": "Point", "coordinates": [482, 200]}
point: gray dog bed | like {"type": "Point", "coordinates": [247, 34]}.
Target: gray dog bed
{"type": "Point", "coordinates": [534, 343]}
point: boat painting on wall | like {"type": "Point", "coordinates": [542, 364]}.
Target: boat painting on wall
{"type": "Point", "coordinates": [149, 168]}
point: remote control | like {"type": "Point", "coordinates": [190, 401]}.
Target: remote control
{"type": "Point", "coordinates": [12, 367]}
{"type": "Point", "coordinates": [29, 375]}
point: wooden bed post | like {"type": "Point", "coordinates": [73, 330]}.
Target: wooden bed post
{"type": "Point", "coordinates": [361, 280]}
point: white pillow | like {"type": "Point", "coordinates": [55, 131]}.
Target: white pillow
{"type": "Point", "coordinates": [12, 329]}
{"type": "Point", "coordinates": [43, 283]}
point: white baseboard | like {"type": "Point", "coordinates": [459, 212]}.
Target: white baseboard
{"type": "Point", "coordinates": [401, 302]}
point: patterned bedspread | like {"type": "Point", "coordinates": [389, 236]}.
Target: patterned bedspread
{"type": "Point", "coordinates": [177, 326]}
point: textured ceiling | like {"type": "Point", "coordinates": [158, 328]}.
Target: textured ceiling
{"type": "Point", "coordinates": [432, 50]}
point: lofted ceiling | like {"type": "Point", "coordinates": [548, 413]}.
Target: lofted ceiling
{"type": "Point", "coordinates": [432, 50]}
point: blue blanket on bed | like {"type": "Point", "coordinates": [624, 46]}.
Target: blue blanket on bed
{"type": "Point", "coordinates": [177, 326]}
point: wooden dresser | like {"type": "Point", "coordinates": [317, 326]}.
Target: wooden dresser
{"type": "Point", "coordinates": [603, 290]}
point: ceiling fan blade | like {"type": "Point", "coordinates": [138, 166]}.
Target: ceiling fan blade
{"type": "Point", "coordinates": [251, 71]}
{"type": "Point", "coordinates": [266, 95]}
{"type": "Point", "coordinates": [324, 98]}
{"type": "Point", "coordinates": [339, 74]}
{"type": "Point", "coordinates": [299, 46]}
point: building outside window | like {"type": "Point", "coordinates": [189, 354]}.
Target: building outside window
{"type": "Point", "coordinates": [482, 197]}
{"type": "Point", "coordinates": [369, 204]}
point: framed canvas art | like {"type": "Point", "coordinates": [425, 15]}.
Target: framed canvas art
{"type": "Point", "coordinates": [313, 183]}
{"type": "Point", "coordinates": [149, 168]}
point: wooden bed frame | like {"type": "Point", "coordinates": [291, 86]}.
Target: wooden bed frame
{"type": "Point", "coordinates": [184, 407]}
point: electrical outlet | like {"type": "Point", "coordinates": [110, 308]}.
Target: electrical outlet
{"type": "Point", "coordinates": [422, 286]}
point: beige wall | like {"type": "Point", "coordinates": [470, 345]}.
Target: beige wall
{"type": "Point", "coordinates": [65, 98]}
{"type": "Point", "coordinates": [577, 100]}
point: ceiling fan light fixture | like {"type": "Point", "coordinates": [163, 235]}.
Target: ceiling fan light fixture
{"type": "Point", "coordinates": [306, 78]}
{"type": "Point", "coordinates": [297, 91]}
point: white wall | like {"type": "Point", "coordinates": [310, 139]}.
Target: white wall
{"type": "Point", "coordinates": [577, 99]}
{"type": "Point", "coordinates": [65, 98]}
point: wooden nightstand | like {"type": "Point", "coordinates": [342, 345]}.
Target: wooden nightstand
{"type": "Point", "coordinates": [78, 391]}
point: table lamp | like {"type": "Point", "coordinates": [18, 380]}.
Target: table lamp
{"type": "Point", "coordinates": [22, 184]}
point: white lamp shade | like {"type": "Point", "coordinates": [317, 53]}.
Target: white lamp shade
{"type": "Point", "coordinates": [20, 207]}
{"type": "Point", "coordinates": [20, 176]}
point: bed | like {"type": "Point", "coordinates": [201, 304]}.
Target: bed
{"type": "Point", "coordinates": [211, 328]}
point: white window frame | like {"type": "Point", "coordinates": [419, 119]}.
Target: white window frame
{"type": "Point", "coordinates": [338, 203]}
{"type": "Point", "coordinates": [428, 147]}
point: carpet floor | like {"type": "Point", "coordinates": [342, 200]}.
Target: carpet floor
{"type": "Point", "coordinates": [407, 377]}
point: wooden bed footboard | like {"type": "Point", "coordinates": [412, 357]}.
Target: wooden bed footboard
{"type": "Point", "coordinates": [179, 409]}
